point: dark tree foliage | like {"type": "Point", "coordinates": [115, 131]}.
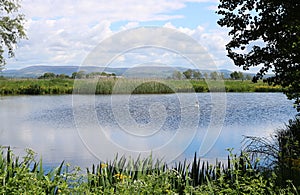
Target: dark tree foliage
{"type": "Point", "coordinates": [188, 74]}
{"type": "Point", "coordinates": [270, 30]}
{"type": "Point", "coordinates": [11, 28]}
{"type": "Point", "coordinates": [197, 74]}
{"type": "Point", "coordinates": [47, 75]}
{"type": "Point", "coordinates": [236, 75]}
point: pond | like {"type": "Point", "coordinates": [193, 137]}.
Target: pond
{"type": "Point", "coordinates": [86, 129]}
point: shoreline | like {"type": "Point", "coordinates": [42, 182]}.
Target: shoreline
{"type": "Point", "coordinates": [110, 86]}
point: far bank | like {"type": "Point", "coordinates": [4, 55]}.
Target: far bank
{"type": "Point", "coordinates": [112, 85]}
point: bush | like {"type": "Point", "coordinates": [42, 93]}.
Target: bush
{"type": "Point", "coordinates": [289, 152]}
{"type": "Point", "coordinates": [280, 153]}
{"type": "Point", "coordinates": [199, 88]}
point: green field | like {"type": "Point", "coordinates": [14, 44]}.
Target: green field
{"type": "Point", "coordinates": [126, 86]}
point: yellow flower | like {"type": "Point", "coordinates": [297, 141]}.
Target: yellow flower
{"type": "Point", "coordinates": [103, 165]}
{"type": "Point", "coordinates": [121, 176]}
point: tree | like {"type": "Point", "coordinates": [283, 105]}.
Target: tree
{"type": "Point", "coordinates": [177, 75]}
{"type": "Point", "coordinates": [222, 76]}
{"type": "Point", "coordinates": [11, 28]}
{"type": "Point", "coordinates": [197, 74]}
{"type": "Point", "coordinates": [62, 76]}
{"type": "Point", "coordinates": [248, 77]}
{"type": "Point", "coordinates": [78, 75]}
{"type": "Point", "coordinates": [206, 75]}
{"type": "Point", "coordinates": [47, 75]}
{"type": "Point", "coordinates": [188, 74]}
{"type": "Point", "coordinates": [241, 75]}
{"type": "Point", "coordinates": [74, 74]}
{"type": "Point", "coordinates": [234, 75]}
{"type": "Point", "coordinates": [214, 75]}
{"type": "Point", "coordinates": [237, 75]}
{"type": "Point", "coordinates": [270, 30]}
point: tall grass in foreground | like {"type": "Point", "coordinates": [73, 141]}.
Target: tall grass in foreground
{"type": "Point", "coordinates": [281, 151]}
{"type": "Point", "coordinates": [239, 176]}
{"type": "Point", "coordinates": [26, 176]}
{"type": "Point", "coordinates": [139, 176]}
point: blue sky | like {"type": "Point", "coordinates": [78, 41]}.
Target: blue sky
{"type": "Point", "coordinates": [64, 32]}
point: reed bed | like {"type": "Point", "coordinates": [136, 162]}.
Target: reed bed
{"type": "Point", "coordinates": [126, 86]}
{"type": "Point", "coordinates": [36, 86]}
{"type": "Point", "coordinates": [136, 176]}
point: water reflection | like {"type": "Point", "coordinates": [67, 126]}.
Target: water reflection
{"type": "Point", "coordinates": [47, 124]}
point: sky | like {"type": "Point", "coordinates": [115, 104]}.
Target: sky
{"type": "Point", "coordinates": [64, 32]}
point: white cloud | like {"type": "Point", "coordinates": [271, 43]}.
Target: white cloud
{"type": "Point", "coordinates": [62, 32]}
{"type": "Point", "coordinates": [130, 25]}
{"type": "Point", "coordinates": [213, 7]}
{"type": "Point", "coordinates": [89, 10]}
{"type": "Point", "coordinates": [213, 41]}
{"type": "Point", "coordinates": [163, 45]}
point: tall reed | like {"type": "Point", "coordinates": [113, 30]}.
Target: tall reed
{"type": "Point", "coordinates": [136, 176]}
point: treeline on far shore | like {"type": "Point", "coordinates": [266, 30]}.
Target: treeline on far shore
{"type": "Point", "coordinates": [114, 85]}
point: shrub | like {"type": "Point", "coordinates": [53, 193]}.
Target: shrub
{"type": "Point", "coordinates": [280, 153]}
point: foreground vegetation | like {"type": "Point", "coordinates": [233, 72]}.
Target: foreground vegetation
{"type": "Point", "coordinates": [123, 86]}
{"type": "Point", "coordinates": [277, 173]}
{"type": "Point", "coordinates": [141, 176]}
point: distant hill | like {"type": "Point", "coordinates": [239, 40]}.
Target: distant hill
{"type": "Point", "coordinates": [135, 72]}
{"type": "Point", "coordinates": [36, 71]}
{"type": "Point", "coordinates": [151, 71]}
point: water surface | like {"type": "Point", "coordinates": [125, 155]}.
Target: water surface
{"type": "Point", "coordinates": [85, 129]}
